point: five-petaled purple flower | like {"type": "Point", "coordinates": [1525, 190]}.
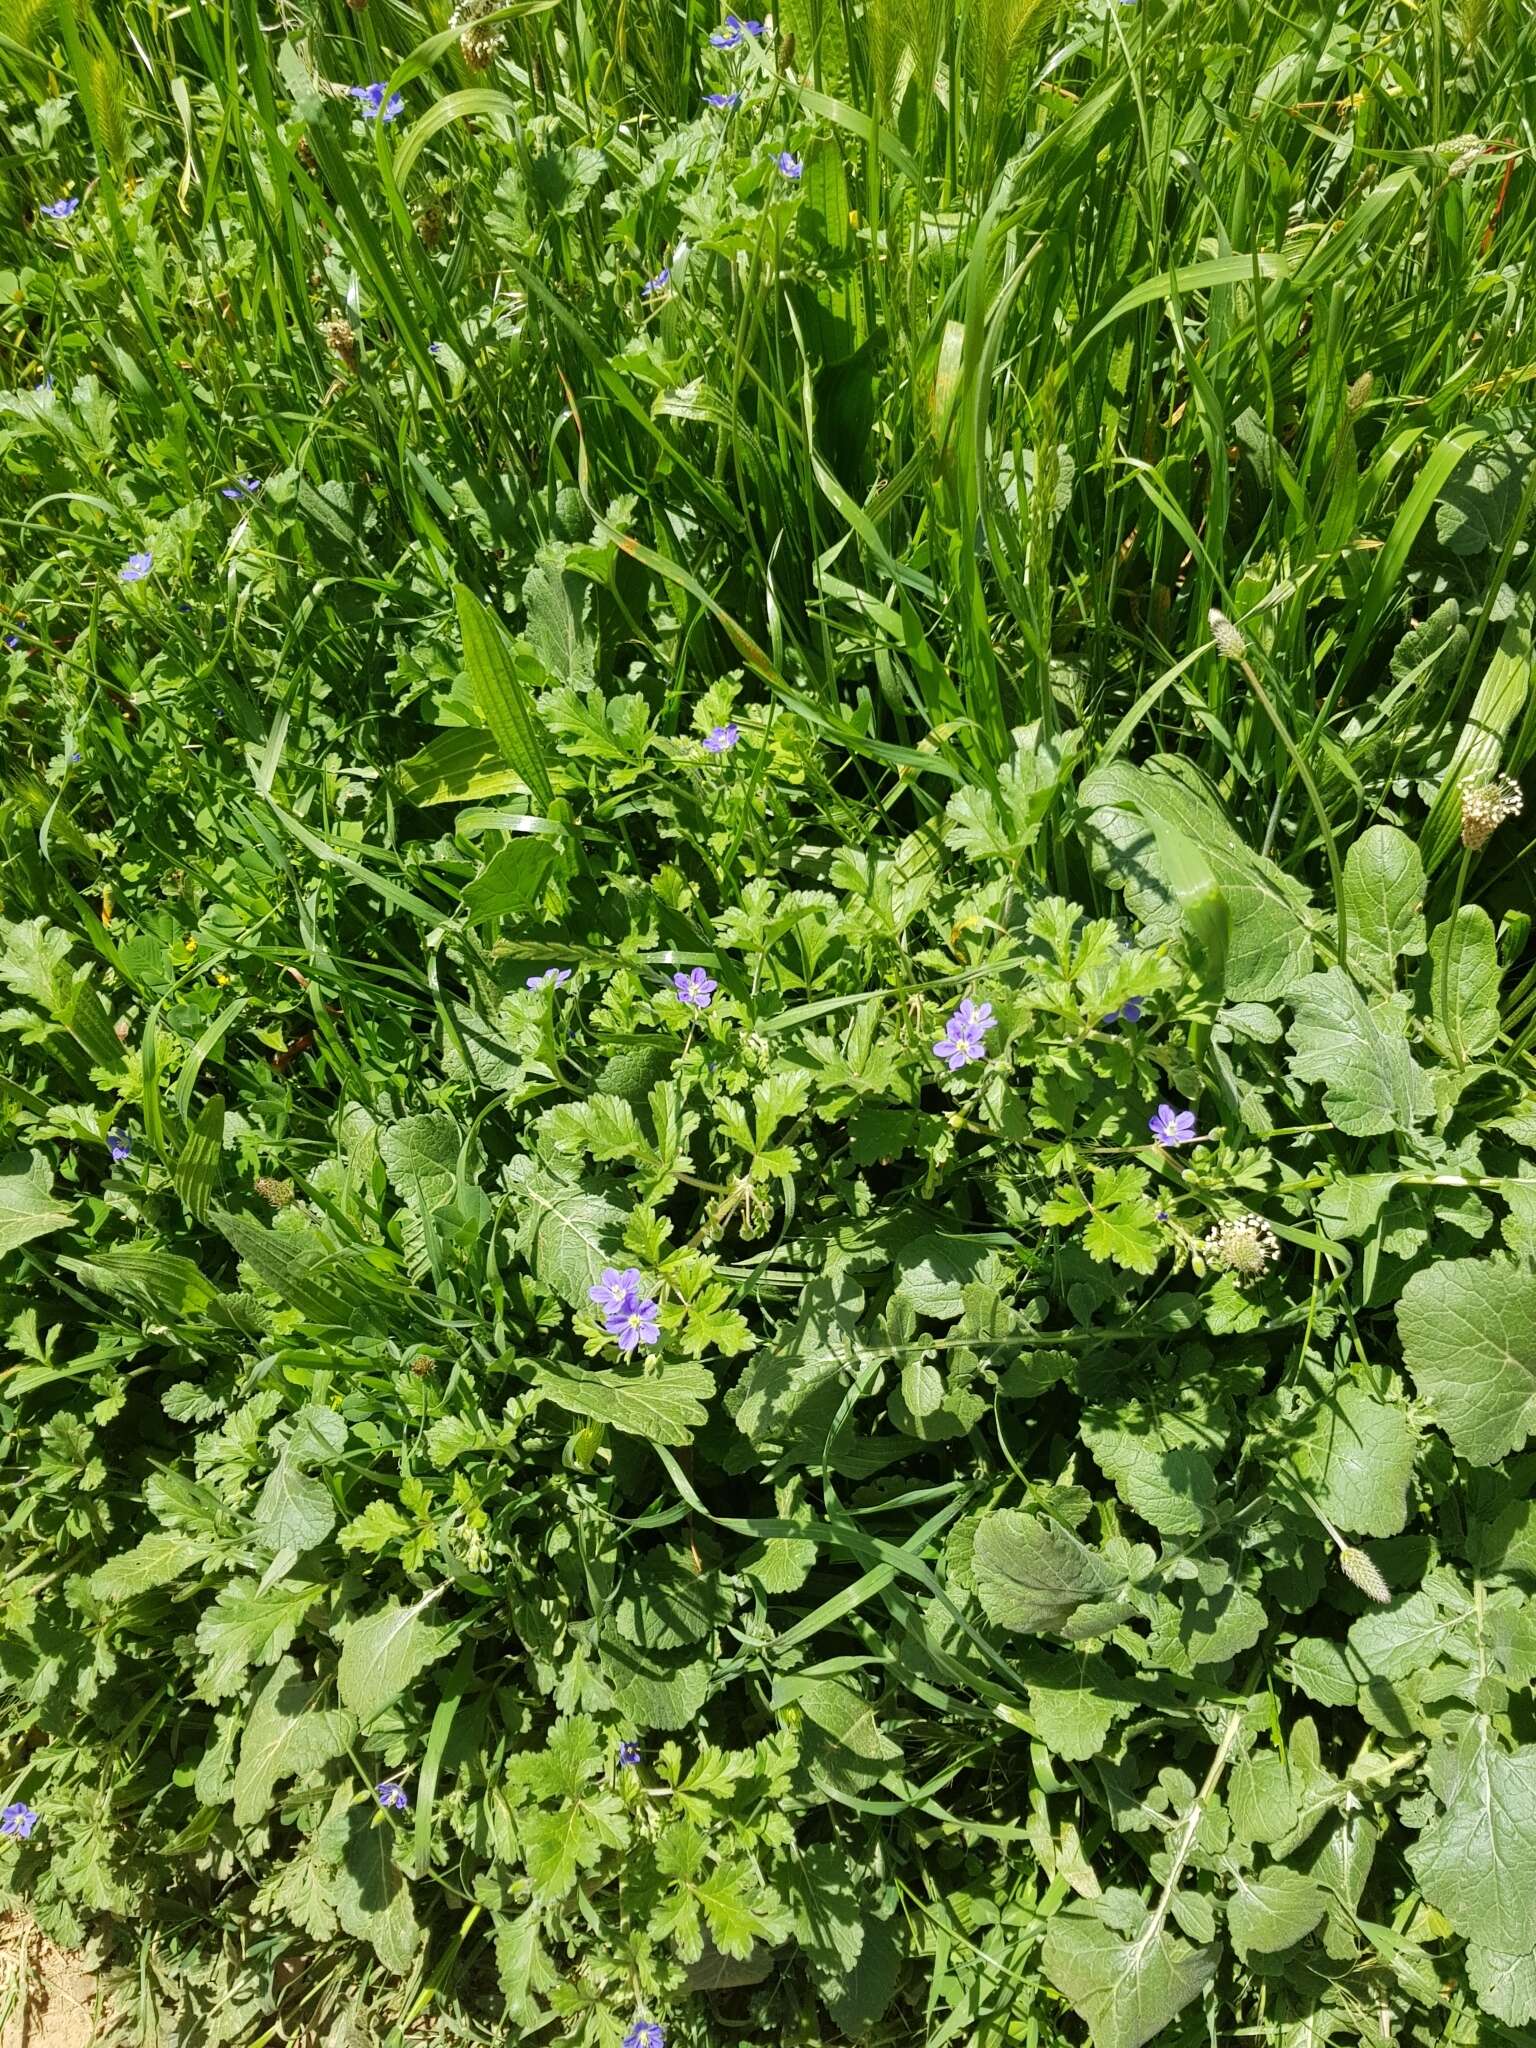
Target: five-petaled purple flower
{"type": "Point", "coordinates": [721, 739]}
{"type": "Point", "coordinates": [552, 977]}
{"type": "Point", "coordinates": [633, 1324]}
{"type": "Point", "coordinates": [735, 29]}
{"type": "Point", "coordinates": [119, 1146]}
{"type": "Point", "coordinates": [18, 1820]}
{"type": "Point", "coordinates": [246, 487]}
{"type": "Point", "coordinates": [965, 1035]}
{"type": "Point", "coordinates": [722, 99]}
{"type": "Point", "coordinates": [372, 96]}
{"type": "Point", "coordinates": [789, 165]}
{"type": "Point", "coordinates": [645, 2034]}
{"type": "Point", "coordinates": [60, 209]}
{"type": "Point", "coordinates": [1172, 1126]}
{"type": "Point", "coordinates": [695, 988]}
{"type": "Point", "coordinates": [629, 1755]}
{"type": "Point", "coordinates": [655, 286]}
{"type": "Point", "coordinates": [616, 1290]}
{"type": "Point", "coordinates": [136, 568]}
{"type": "Point", "coordinates": [1128, 1013]}
{"type": "Point", "coordinates": [392, 1798]}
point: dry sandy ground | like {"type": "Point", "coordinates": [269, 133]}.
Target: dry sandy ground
{"type": "Point", "coordinates": [47, 1999]}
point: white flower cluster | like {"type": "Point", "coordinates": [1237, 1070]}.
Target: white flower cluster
{"type": "Point", "coordinates": [1242, 1246]}
{"type": "Point", "coordinates": [1485, 806]}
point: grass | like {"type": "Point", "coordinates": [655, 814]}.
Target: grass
{"type": "Point", "coordinates": [488, 456]}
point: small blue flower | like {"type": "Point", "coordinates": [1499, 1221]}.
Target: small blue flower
{"type": "Point", "coordinates": [616, 1291]}
{"type": "Point", "coordinates": [965, 1035]}
{"type": "Point", "coordinates": [721, 739]}
{"type": "Point", "coordinates": [629, 1755]}
{"type": "Point", "coordinates": [245, 487]}
{"type": "Point", "coordinates": [789, 165]}
{"type": "Point", "coordinates": [60, 209]}
{"type": "Point", "coordinates": [18, 1820]}
{"type": "Point", "coordinates": [633, 1324]}
{"type": "Point", "coordinates": [722, 99]}
{"type": "Point", "coordinates": [372, 96]}
{"type": "Point", "coordinates": [655, 286]}
{"type": "Point", "coordinates": [1172, 1126]}
{"type": "Point", "coordinates": [12, 641]}
{"type": "Point", "coordinates": [391, 1797]}
{"type": "Point", "coordinates": [735, 29]}
{"type": "Point", "coordinates": [136, 568]}
{"type": "Point", "coordinates": [1128, 1013]}
{"type": "Point", "coordinates": [119, 1146]}
{"type": "Point", "coordinates": [552, 977]}
{"type": "Point", "coordinates": [694, 988]}
{"type": "Point", "coordinates": [645, 2034]}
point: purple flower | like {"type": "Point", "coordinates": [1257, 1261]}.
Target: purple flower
{"type": "Point", "coordinates": [629, 1754]}
{"type": "Point", "coordinates": [136, 568]}
{"type": "Point", "coordinates": [655, 286]}
{"type": "Point", "coordinates": [695, 988]}
{"type": "Point", "coordinates": [552, 977]}
{"type": "Point", "coordinates": [373, 98]}
{"type": "Point", "coordinates": [245, 487]}
{"type": "Point", "coordinates": [60, 209]}
{"type": "Point", "coordinates": [119, 1146]}
{"type": "Point", "coordinates": [645, 2034]}
{"type": "Point", "coordinates": [18, 1820]}
{"type": "Point", "coordinates": [633, 1324]}
{"type": "Point", "coordinates": [1172, 1126]}
{"type": "Point", "coordinates": [722, 99]}
{"type": "Point", "coordinates": [13, 641]}
{"type": "Point", "coordinates": [965, 1035]}
{"type": "Point", "coordinates": [1128, 1013]}
{"type": "Point", "coordinates": [721, 739]}
{"type": "Point", "coordinates": [616, 1291]}
{"type": "Point", "coordinates": [789, 165]}
{"type": "Point", "coordinates": [727, 38]}
{"type": "Point", "coordinates": [391, 1797]}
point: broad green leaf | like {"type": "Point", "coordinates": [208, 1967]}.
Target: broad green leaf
{"type": "Point", "coordinates": [567, 1235]}
{"type": "Point", "coordinates": [383, 1653]}
{"type": "Point", "coordinates": [197, 1166]}
{"type": "Point", "coordinates": [1269, 944]}
{"type": "Point", "coordinates": [841, 1712]}
{"type": "Point", "coordinates": [27, 1206]}
{"type": "Point", "coordinates": [295, 1510]}
{"type": "Point", "coordinates": [159, 1284]}
{"type": "Point", "coordinates": [825, 1898]}
{"type": "Point", "coordinates": [1126, 1987]}
{"type": "Point", "coordinates": [523, 1969]}
{"type": "Point", "coordinates": [1384, 896]}
{"type": "Point", "coordinates": [1357, 1458]}
{"type": "Point", "coordinates": [664, 1406]}
{"type": "Point", "coordinates": [1468, 1330]}
{"type": "Point", "coordinates": [1159, 1461]}
{"type": "Point", "coordinates": [1074, 1700]}
{"type": "Point", "coordinates": [1462, 982]}
{"type": "Point", "coordinates": [298, 1269]}
{"type": "Point", "coordinates": [499, 677]}
{"type": "Point", "coordinates": [287, 1736]}
{"type": "Point", "coordinates": [1504, 1985]}
{"type": "Point", "coordinates": [1476, 1862]}
{"type": "Point", "coordinates": [858, 1996]}
{"type": "Point", "coordinates": [510, 879]}
{"type": "Point", "coordinates": [653, 1689]}
{"type": "Point", "coordinates": [1032, 1574]}
{"type": "Point", "coordinates": [1359, 1052]}
{"type": "Point", "coordinates": [1272, 1911]}
{"type": "Point", "coordinates": [373, 1900]}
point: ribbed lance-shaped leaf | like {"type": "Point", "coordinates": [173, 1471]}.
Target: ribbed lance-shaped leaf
{"type": "Point", "coordinates": [198, 1166]}
{"type": "Point", "coordinates": [501, 692]}
{"type": "Point", "coordinates": [27, 1206]}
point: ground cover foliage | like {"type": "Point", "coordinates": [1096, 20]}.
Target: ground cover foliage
{"type": "Point", "coordinates": [768, 1203]}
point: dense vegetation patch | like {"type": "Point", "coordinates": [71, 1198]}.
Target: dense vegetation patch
{"type": "Point", "coordinates": [767, 1124]}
